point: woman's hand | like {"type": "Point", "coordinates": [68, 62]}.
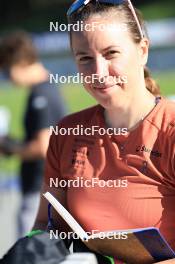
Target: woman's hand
{"type": "Point", "coordinates": [42, 216]}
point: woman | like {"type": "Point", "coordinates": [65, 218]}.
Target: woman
{"type": "Point", "coordinates": [145, 156]}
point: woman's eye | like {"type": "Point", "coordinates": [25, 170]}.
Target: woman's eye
{"type": "Point", "coordinates": [85, 59]}
{"type": "Point", "coordinates": [112, 53]}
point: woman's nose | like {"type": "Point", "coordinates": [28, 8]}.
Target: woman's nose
{"type": "Point", "coordinates": [101, 68]}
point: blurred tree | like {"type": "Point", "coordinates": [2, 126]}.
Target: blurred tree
{"type": "Point", "coordinates": [14, 11]}
{"type": "Point", "coordinates": [35, 15]}
{"type": "Point", "coordinates": [31, 15]}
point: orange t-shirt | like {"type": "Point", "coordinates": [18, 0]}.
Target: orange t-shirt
{"type": "Point", "coordinates": [144, 157]}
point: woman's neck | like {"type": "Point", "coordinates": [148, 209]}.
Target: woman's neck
{"type": "Point", "coordinates": [130, 114]}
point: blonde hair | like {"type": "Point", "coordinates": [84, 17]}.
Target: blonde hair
{"type": "Point", "coordinates": [107, 9]}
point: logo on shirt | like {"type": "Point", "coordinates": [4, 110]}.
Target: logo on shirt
{"type": "Point", "coordinates": [79, 153]}
{"type": "Point", "coordinates": [152, 152]}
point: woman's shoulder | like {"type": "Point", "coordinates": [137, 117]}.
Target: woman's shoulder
{"type": "Point", "coordinates": [168, 116]}
{"type": "Point", "coordinates": [170, 104]}
{"type": "Point", "coordinates": [169, 110]}
{"type": "Point", "coordinates": [83, 117]}
{"type": "Point", "coordinates": [163, 114]}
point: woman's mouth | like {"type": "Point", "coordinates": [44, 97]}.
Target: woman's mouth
{"type": "Point", "coordinates": [106, 89]}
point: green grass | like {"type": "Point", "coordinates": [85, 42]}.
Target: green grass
{"type": "Point", "coordinates": [14, 100]}
{"type": "Point", "coordinates": [158, 9]}
{"type": "Point", "coordinates": [76, 98]}
{"type": "Point", "coordinates": [38, 18]}
{"type": "Point", "coordinates": [166, 82]}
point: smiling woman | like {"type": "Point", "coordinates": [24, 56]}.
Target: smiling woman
{"type": "Point", "coordinates": [113, 56]}
{"type": "Point", "coordinates": [149, 197]}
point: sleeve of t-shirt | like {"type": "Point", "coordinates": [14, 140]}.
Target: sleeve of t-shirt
{"type": "Point", "coordinates": [170, 153]}
{"type": "Point", "coordinates": [52, 163]}
{"type": "Point", "coordinates": [173, 155]}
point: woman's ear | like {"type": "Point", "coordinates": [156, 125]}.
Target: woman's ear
{"type": "Point", "coordinates": [143, 50]}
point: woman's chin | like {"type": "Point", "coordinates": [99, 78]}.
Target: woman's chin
{"type": "Point", "coordinates": [108, 102]}
{"type": "Point", "coordinates": [108, 95]}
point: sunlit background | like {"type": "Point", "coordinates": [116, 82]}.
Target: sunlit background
{"type": "Point", "coordinates": [34, 16]}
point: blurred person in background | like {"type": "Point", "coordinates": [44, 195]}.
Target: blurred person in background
{"type": "Point", "coordinates": [19, 60]}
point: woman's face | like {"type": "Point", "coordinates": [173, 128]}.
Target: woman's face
{"type": "Point", "coordinates": [114, 60]}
